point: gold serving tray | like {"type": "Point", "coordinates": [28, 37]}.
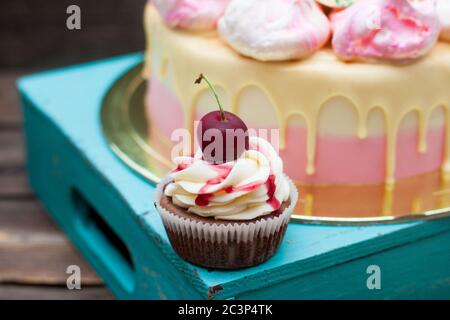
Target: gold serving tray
{"type": "Point", "coordinates": [129, 134]}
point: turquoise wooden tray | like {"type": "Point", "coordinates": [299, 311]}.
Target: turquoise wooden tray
{"type": "Point", "coordinates": [107, 211]}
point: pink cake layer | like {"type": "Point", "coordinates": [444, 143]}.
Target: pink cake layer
{"type": "Point", "coordinates": [339, 160]}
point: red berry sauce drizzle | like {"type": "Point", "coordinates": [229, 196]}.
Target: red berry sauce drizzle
{"type": "Point", "coordinates": [202, 200]}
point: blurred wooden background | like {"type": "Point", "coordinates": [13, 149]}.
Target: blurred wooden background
{"type": "Point", "coordinates": [34, 254]}
{"type": "Point", "coordinates": [33, 33]}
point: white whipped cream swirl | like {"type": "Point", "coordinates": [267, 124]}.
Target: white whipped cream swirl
{"type": "Point", "coordinates": [252, 186]}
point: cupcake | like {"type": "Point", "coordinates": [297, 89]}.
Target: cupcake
{"type": "Point", "coordinates": [227, 214]}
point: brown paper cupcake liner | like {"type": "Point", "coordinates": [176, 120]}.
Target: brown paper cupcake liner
{"type": "Point", "coordinates": [231, 245]}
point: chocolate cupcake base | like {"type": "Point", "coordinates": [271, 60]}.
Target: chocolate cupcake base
{"type": "Point", "coordinates": [224, 244]}
{"type": "Point", "coordinates": [230, 255]}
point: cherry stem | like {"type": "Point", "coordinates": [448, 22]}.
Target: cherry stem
{"type": "Point", "coordinates": [199, 80]}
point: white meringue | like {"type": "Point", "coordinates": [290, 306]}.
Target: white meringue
{"type": "Point", "coordinates": [274, 30]}
{"type": "Point", "coordinates": [443, 7]}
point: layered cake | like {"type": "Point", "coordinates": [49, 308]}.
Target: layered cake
{"type": "Point", "coordinates": [360, 93]}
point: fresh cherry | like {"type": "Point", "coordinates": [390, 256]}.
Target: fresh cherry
{"type": "Point", "coordinates": [224, 126]}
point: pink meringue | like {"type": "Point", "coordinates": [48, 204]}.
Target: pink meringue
{"type": "Point", "coordinates": [191, 14]}
{"type": "Point", "coordinates": [443, 7]}
{"type": "Point", "coordinates": [385, 29]}
{"type": "Point", "coordinates": [274, 30]}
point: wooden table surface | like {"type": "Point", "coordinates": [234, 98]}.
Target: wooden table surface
{"type": "Point", "coordinates": [34, 253]}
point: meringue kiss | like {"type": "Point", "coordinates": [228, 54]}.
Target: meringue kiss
{"type": "Point", "coordinates": [197, 15]}
{"type": "Point", "coordinates": [385, 30]}
{"type": "Point", "coordinates": [443, 7]}
{"type": "Point", "coordinates": [274, 30]}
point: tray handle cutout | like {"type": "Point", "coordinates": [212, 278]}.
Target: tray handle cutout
{"type": "Point", "coordinates": [107, 246]}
